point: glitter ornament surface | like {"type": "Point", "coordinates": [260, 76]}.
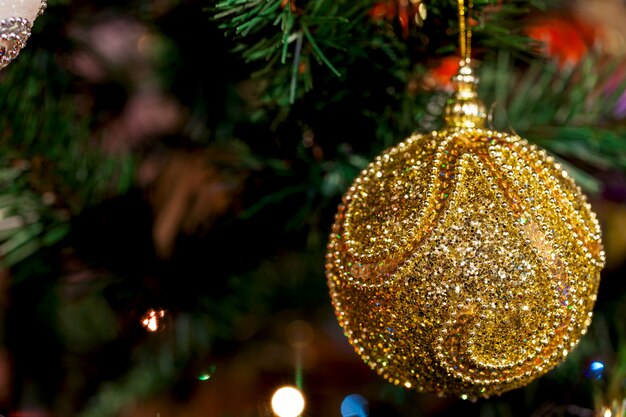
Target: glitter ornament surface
{"type": "Point", "coordinates": [464, 262]}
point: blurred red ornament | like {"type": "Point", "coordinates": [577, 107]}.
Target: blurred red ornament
{"type": "Point", "coordinates": [383, 10]}
{"type": "Point", "coordinates": [407, 12]}
{"type": "Point", "coordinates": [290, 3]}
{"type": "Point", "coordinates": [564, 38]}
{"type": "Point", "coordinates": [440, 77]}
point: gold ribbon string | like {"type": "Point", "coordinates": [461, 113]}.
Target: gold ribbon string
{"type": "Point", "coordinates": [465, 32]}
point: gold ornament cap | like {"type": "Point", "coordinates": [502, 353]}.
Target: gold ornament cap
{"type": "Point", "coordinates": [465, 109]}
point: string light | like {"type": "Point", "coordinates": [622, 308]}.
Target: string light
{"type": "Point", "coordinates": [152, 321]}
{"type": "Point", "coordinates": [287, 402]}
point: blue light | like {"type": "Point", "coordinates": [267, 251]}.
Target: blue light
{"type": "Point", "coordinates": [594, 371]}
{"type": "Point", "coordinates": [597, 366]}
{"type": "Point", "coordinates": [355, 405]}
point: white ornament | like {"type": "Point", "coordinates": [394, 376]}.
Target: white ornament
{"type": "Point", "coordinates": [16, 20]}
{"type": "Point", "coordinates": [26, 9]}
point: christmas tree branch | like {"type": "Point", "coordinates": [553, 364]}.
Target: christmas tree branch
{"type": "Point", "coordinates": [337, 34]}
{"type": "Point", "coordinates": [51, 169]}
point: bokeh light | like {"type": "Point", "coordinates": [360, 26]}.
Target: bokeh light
{"type": "Point", "coordinates": [152, 321]}
{"type": "Point", "coordinates": [355, 405]}
{"type": "Point", "coordinates": [206, 373]}
{"type": "Point", "coordinates": [595, 370]}
{"type": "Point", "coordinates": [287, 402]}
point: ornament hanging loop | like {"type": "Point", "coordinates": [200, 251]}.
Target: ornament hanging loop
{"type": "Point", "coordinates": [465, 109]}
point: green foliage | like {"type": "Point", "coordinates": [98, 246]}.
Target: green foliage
{"type": "Point", "coordinates": [26, 223]}
{"type": "Point", "coordinates": [289, 38]}
{"type": "Point", "coordinates": [543, 94]}
{"type": "Point", "coordinates": [158, 363]}
{"type": "Point", "coordinates": [59, 138]}
{"type": "Point", "coordinates": [49, 169]}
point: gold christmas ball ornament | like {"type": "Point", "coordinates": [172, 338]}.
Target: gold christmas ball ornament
{"type": "Point", "coordinates": [16, 20]}
{"type": "Point", "coordinates": [465, 261]}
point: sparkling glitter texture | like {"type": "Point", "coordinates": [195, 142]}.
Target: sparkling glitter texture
{"type": "Point", "coordinates": [464, 262]}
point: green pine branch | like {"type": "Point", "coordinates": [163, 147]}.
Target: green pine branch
{"type": "Point", "coordinates": [49, 167]}
{"type": "Point", "coordinates": [289, 40]}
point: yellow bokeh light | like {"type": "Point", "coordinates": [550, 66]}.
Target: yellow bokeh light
{"type": "Point", "coordinates": [287, 402]}
{"type": "Point", "coordinates": [152, 320]}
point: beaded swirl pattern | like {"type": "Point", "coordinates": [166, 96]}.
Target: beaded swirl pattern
{"type": "Point", "coordinates": [464, 262]}
{"type": "Point", "coordinates": [14, 32]}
